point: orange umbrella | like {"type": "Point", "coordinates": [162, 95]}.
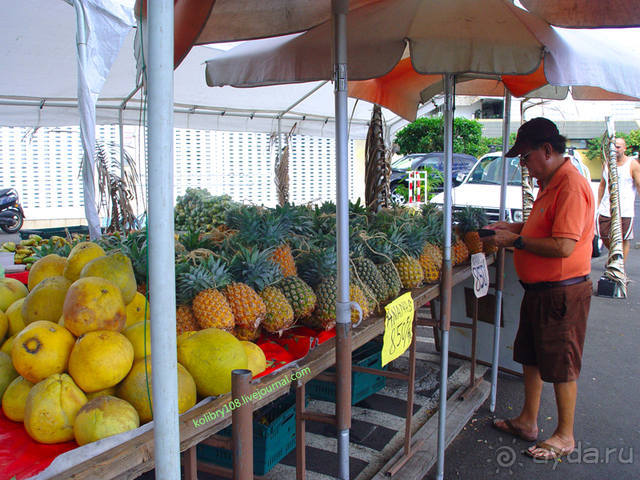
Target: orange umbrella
{"type": "Point", "coordinates": [402, 90]}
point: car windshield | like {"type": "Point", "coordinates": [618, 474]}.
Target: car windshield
{"type": "Point", "coordinates": [403, 163]}
{"type": "Point", "coordinates": [489, 171]}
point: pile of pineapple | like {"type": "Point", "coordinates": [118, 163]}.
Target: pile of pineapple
{"type": "Point", "coordinates": [264, 270]}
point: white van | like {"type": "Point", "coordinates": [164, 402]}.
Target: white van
{"type": "Point", "coordinates": [481, 186]}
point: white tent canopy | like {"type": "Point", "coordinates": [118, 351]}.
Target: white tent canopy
{"type": "Point", "coordinates": [39, 87]}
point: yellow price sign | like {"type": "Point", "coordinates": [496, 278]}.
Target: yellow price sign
{"type": "Point", "coordinates": [398, 324]}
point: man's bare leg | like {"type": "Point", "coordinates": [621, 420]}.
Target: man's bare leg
{"type": "Point", "coordinates": [527, 421]}
{"type": "Point", "coordinates": [562, 438]}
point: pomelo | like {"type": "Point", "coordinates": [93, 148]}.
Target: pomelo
{"type": "Point", "coordinates": [256, 358]}
{"type": "Point", "coordinates": [10, 291]}
{"type": "Point", "coordinates": [14, 314]}
{"type": "Point", "coordinates": [103, 417]}
{"type": "Point", "coordinates": [136, 389]}
{"type": "Point", "coordinates": [210, 355]}
{"type": "Point", "coordinates": [7, 372]}
{"type": "Point", "coordinates": [15, 398]}
{"type": "Point", "coordinates": [140, 337]}
{"type": "Point", "coordinates": [117, 268]}
{"type": "Point", "coordinates": [80, 255]}
{"type": "Point", "coordinates": [41, 349]}
{"type": "Point", "coordinates": [45, 301]}
{"type": "Point", "coordinates": [93, 303]}
{"type": "Point", "coordinates": [51, 409]}
{"type": "Point", "coordinates": [136, 309]}
{"type": "Point", "coordinates": [100, 360]}
{"type": "Point", "coordinates": [50, 266]}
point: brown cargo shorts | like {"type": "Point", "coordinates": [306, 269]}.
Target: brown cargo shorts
{"type": "Point", "coordinates": [553, 323]}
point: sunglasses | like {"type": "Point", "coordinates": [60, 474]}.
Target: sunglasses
{"type": "Point", "coordinates": [525, 157]}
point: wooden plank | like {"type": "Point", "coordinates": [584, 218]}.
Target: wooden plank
{"type": "Point", "coordinates": [459, 412]}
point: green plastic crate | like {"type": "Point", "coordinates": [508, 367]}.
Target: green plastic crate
{"type": "Point", "coordinates": [363, 385]}
{"type": "Point", "coordinates": [59, 231]}
{"type": "Point", "coordinates": [271, 443]}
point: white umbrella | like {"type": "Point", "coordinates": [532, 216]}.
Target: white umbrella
{"type": "Point", "coordinates": [489, 37]}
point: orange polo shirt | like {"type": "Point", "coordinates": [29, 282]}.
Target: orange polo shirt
{"type": "Point", "coordinates": [564, 209]}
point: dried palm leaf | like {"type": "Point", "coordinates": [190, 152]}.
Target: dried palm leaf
{"type": "Point", "coordinates": [378, 166]}
{"type": "Point", "coordinates": [614, 269]}
{"type": "Point", "coordinates": [117, 181]}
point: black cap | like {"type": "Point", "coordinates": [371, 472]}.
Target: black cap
{"type": "Point", "coordinates": [532, 133]}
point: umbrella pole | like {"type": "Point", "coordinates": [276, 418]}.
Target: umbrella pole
{"type": "Point", "coordinates": [445, 295]}
{"type": "Point", "coordinates": [161, 243]}
{"type": "Point", "coordinates": [343, 308]}
{"type": "Point", "coordinates": [495, 362]}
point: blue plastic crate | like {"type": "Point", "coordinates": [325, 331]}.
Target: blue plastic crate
{"type": "Point", "coordinates": [271, 442]}
{"type": "Point", "coordinates": [363, 385]}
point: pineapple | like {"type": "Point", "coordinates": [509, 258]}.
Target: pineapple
{"type": "Point", "coordinates": [433, 245]}
{"type": "Point", "coordinates": [368, 273]}
{"type": "Point", "coordinates": [363, 267]}
{"type": "Point", "coordinates": [299, 295]}
{"type": "Point", "coordinates": [247, 334]}
{"type": "Point", "coordinates": [274, 230]}
{"type": "Point", "coordinates": [256, 269]}
{"type": "Point", "coordinates": [185, 320]}
{"type": "Point", "coordinates": [318, 267]}
{"type": "Point", "coordinates": [459, 250]}
{"type": "Point", "coordinates": [265, 231]}
{"type": "Point", "coordinates": [390, 274]}
{"type": "Point", "coordinates": [408, 249]}
{"type": "Point", "coordinates": [279, 314]}
{"type": "Point", "coordinates": [469, 220]}
{"type": "Point", "coordinates": [202, 283]}
{"type": "Point", "coordinates": [381, 252]}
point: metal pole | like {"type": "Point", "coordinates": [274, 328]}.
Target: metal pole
{"type": "Point", "coordinates": [161, 243]}
{"type": "Point", "coordinates": [121, 134]}
{"type": "Point", "coordinates": [445, 290]}
{"type": "Point", "coordinates": [242, 426]}
{"type": "Point", "coordinates": [343, 307]}
{"type": "Point", "coordinates": [495, 362]}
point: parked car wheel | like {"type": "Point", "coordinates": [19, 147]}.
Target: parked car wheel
{"type": "Point", "coordinates": [398, 198]}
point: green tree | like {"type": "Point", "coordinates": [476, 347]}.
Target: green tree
{"type": "Point", "coordinates": [426, 134]}
{"type": "Point", "coordinates": [594, 146]}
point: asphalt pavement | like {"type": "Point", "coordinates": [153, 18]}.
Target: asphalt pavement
{"type": "Point", "coordinates": [607, 428]}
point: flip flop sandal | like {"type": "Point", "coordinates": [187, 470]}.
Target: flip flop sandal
{"type": "Point", "coordinates": [511, 429]}
{"type": "Point", "coordinates": [552, 453]}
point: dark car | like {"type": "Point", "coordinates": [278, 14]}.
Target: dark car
{"type": "Point", "coordinates": [462, 164]}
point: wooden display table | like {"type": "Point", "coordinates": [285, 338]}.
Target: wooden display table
{"type": "Point", "coordinates": [134, 455]}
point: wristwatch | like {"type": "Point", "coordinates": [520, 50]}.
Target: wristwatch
{"type": "Point", "coordinates": [519, 243]}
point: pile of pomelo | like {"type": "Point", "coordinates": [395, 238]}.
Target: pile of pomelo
{"type": "Point", "coordinates": [76, 360]}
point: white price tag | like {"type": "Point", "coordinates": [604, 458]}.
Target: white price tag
{"type": "Point", "coordinates": [480, 274]}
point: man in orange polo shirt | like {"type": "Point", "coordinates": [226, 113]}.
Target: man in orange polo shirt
{"type": "Point", "coordinates": [553, 261]}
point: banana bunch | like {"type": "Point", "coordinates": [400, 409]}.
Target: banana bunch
{"type": "Point", "coordinates": [25, 252]}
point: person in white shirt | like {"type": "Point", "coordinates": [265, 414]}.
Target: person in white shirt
{"type": "Point", "coordinates": [628, 185]}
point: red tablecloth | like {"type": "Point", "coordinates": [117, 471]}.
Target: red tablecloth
{"type": "Point", "coordinates": [22, 457]}
{"type": "Point", "coordinates": [22, 276]}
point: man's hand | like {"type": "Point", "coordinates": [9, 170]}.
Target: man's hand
{"type": "Point", "coordinates": [510, 227]}
{"type": "Point", "coordinates": [503, 238]}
